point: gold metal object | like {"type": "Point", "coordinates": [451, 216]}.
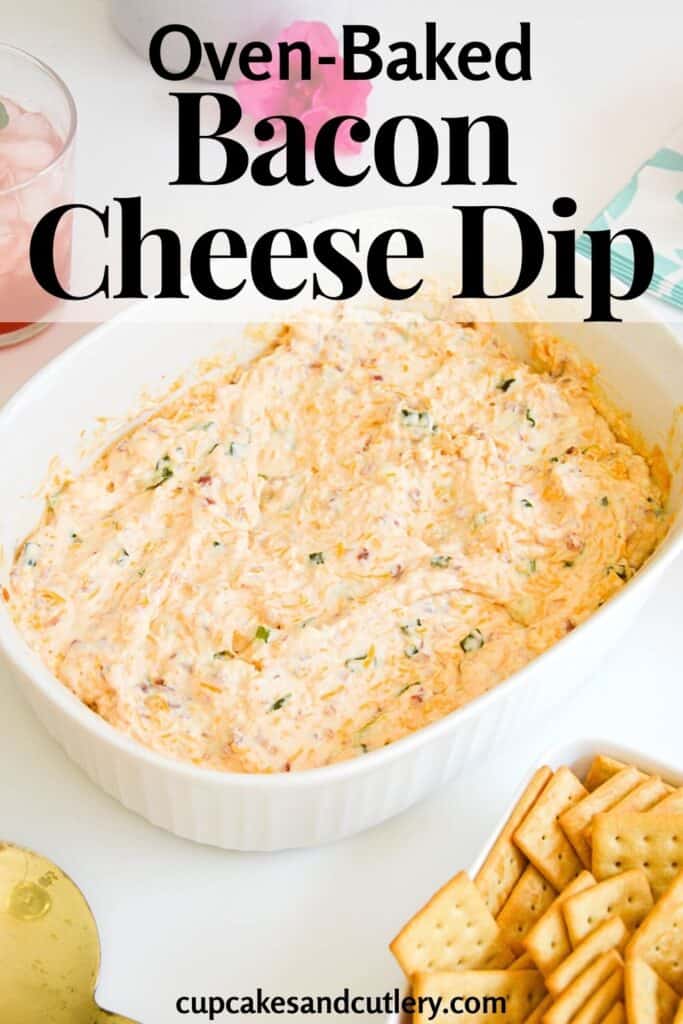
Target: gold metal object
{"type": "Point", "coordinates": [49, 946]}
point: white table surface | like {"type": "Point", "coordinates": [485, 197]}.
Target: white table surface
{"type": "Point", "coordinates": [177, 918]}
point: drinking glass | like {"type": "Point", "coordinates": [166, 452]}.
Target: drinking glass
{"type": "Point", "coordinates": [37, 133]}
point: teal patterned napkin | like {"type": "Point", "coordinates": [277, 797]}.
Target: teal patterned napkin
{"type": "Point", "coordinates": [652, 201]}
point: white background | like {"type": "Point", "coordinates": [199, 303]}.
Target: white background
{"type": "Point", "coordinates": [177, 918]}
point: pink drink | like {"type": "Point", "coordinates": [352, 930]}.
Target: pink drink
{"type": "Point", "coordinates": [32, 181]}
{"type": "Point", "coordinates": [37, 134]}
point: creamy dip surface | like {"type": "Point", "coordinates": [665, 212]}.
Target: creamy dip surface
{"type": "Point", "coordinates": [356, 533]}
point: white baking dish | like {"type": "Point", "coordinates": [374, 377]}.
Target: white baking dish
{"type": "Point", "coordinates": [577, 755]}
{"type": "Point", "coordinates": [103, 375]}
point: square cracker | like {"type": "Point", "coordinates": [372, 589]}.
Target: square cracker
{"type": "Point", "coordinates": [644, 797]}
{"type": "Point", "coordinates": [523, 991]}
{"type": "Point", "coordinates": [602, 769]}
{"type": "Point", "coordinates": [596, 1008]}
{"type": "Point", "coordinates": [611, 934]}
{"type": "Point", "coordinates": [651, 841]}
{"type": "Point", "coordinates": [505, 863]}
{"type": "Point", "coordinates": [540, 837]}
{"type": "Point", "coordinates": [627, 895]}
{"type": "Point", "coordinates": [528, 901]}
{"type": "Point", "coordinates": [548, 941]}
{"type": "Point", "coordinates": [574, 998]}
{"type": "Point", "coordinates": [659, 940]}
{"type": "Point", "coordinates": [454, 930]}
{"type": "Point", "coordinates": [617, 1015]}
{"type": "Point", "coordinates": [575, 820]}
{"type": "Point", "coordinates": [649, 1000]}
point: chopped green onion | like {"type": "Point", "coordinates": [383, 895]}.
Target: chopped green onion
{"type": "Point", "coordinates": [526, 503]}
{"type": "Point", "coordinates": [441, 561]}
{"type": "Point", "coordinates": [408, 627]}
{"type": "Point", "coordinates": [75, 538]}
{"type": "Point", "coordinates": [216, 543]}
{"type": "Point", "coordinates": [141, 572]}
{"type": "Point", "coordinates": [568, 564]}
{"type": "Point", "coordinates": [505, 384]}
{"type": "Point", "coordinates": [204, 426]}
{"type": "Point", "coordinates": [355, 663]}
{"type": "Point", "coordinates": [530, 418]}
{"type": "Point", "coordinates": [237, 450]}
{"type": "Point", "coordinates": [372, 721]}
{"type": "Point", "coordinates": [554, 458]}
{"type": "Point", "coordinates": [122, 557]}
{"type": "Point", "coordinates": [532, 566]}
{"type": "Point", "coordinates": [474, 641]}
{"type": "Point", "coordinates": [262, 633]}
{"type": "Point", "coordinates": [223, 655]}
{"type": "Point", "coordinates": [619, 570]}
{"type": "Point", "coordinates": [279, 703]}
{"type": "Point", "coordinates": [412, 650]}
{"type": "Point", "coordinates": [163, 471]}
{"type": "Point", "coordinates": [317, 557]}
{"type": "Point", "coordinates": [408, 686]}
{"type": "Point", "coordinates": [416, 418]}
{"type": "Point", "coordinates": [604, 501]}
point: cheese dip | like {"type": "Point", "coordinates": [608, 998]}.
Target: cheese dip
{"type": "Point", "coordinates": [359, 531]}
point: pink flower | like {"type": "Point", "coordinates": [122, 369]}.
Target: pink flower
{"type": "Point", "coordinates": [313, 102]}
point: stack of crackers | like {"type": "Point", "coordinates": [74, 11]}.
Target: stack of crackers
{"type": "Point", "coordinates": [576, 916]}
